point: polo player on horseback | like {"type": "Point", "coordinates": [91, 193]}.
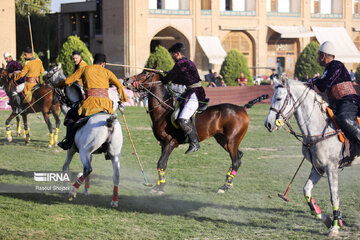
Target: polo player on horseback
{"type": "Point", "coordinates": [185, 73]}
{"type": "Point", "coordinates": [12, 67]}
{"type": "Point", "coordinates": [96, 84]}
{"type": "Point", "coordinates": [342, 96]}
{"type": "Point", "coordinates": [32, 70]}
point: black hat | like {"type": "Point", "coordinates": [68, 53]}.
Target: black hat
{"type": "Point", "coordinates": [177, 47]}
{"type": "Point", "coordinates": [28, 50]}
{"type": "Point", "coordinates": [75, 53]}
{"type": "Point", "coordinates": [99, 58]}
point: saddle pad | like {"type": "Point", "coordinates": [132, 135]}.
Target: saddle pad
{"type": "Point", "coordinates": [28, 97]}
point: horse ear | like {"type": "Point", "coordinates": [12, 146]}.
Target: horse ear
{"type": "Point", "coordinates": [277, 83]}
{"type": "Point", "coordinates": [59, 66]}
{"type": "Point", "coordinates": [3, 66]}
{"type": "Point", "coordinates": [155, 65]}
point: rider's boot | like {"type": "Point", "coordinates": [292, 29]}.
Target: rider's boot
{"type": "Point", "coordinates": [351, 129]}
{"type": "Point", "coordinates": [187, 128]}
{"type": "Point", "coordinates": [69, 139]}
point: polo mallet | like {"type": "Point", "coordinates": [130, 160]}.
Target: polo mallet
{"type": "Point", "coordinates": [146, 183]}
{"type": "Point", "coordinates": [284, 196]}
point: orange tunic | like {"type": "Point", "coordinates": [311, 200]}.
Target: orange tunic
{"type": "Point", "coordinates": [95, 76]}
{"type": "Point", "coordinates": [32, 69]}
{"type": "Point", "coordinates": [82, 64]}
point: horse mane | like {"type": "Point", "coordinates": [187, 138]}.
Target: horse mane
{"type": "Point", "coordinates": [320, 97]}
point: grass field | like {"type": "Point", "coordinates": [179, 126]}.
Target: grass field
{"type": "Point", "coordinates": [190, 208]}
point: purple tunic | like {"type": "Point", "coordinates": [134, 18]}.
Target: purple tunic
{"type": "Point", "coordinates": [335, 73]}
{"type": "Point", "coordinates": [185, 73]}
{"type": "Point", "coordinates": [13, 66]}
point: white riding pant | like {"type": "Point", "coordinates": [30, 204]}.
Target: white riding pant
{"type": "Point", "coordinates": [190, 107]}
{"type": "Point", "coordinates": [19, 88]}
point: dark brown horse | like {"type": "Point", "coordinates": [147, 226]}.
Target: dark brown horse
{"type": "Point", "coordinates": [42, 101]}
{"type": "Point", "coordinates": [227, 123]}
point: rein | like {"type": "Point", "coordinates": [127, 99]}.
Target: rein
{"type": "Point", "coordinates": [141, 85]}
{"type": "Point", "coordinates": [301, 137]}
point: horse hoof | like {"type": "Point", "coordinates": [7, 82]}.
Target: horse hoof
{"type": "Point", "coordinates": [86, 192]}
{"type": "Point", "coordinates": [72, 196]}
{"type": "Point", "coordinates": [221, 191]}
{"type": "Point", "coordinates": [114, 204]}
{"type": "Point", "coordinates": [326, 220]}
{"type": "Point", "coordinates": [50, 146]}
{"type": "Point", "coordinates": [156, 191]}
{"type": "Point", "coordinates": [9, 139]}
{"type": "Point", "coordinates": [334, 232]}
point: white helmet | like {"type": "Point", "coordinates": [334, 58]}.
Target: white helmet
{"type": "Point", "coordinates": [328, 48]}
{"type": "Point", "coordinates": [6, 54]}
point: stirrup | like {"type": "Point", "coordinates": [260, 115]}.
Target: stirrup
{"type": "Point", "coordinates": [64, 144]}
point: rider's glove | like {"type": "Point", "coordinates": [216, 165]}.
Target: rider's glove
{"type": "Point", "coordinates": [121, 106]}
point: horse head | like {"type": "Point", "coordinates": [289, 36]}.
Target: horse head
{"type": "Point", "coordinates": [144, 80]}
{"type": "Point", "coordinates": [55, 75]}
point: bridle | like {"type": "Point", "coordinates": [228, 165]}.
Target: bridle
{"type": "Point", "coordinates": [141, 83]}
{"type": "Point", "coordinates": [286, 117]}
{"type": "Point", "coordinates": [289, 98]}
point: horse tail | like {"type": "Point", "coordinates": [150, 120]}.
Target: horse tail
{"type": "Point", "coordinates": [256, 100]}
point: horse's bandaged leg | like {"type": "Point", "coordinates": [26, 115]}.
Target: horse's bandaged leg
{"type": "Point", "coordinates": [161, 177]}
{"type": "Point", "coordinates": [338, 223]}
{"type": "Point", "coordinates": [229, 177]}
{"type": "Point", "coordinates": [78, 182]}
{"type": "Point", "coordinates": [51, 141]}
{"type": "Point", "coordinates": [115, 194]}
{"type": "Point", "coordinates": [315, 209]}
{"type": "Point", "coordinates": [56, 136]}
{"type": "Point", "coordinates": [18, 128]}
{"type": "Point", "coordinates": [87, 182]}
{"type": "Point", "coordinates": [8, 131]}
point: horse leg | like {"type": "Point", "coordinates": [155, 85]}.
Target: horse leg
{"type": "Point", "coordinates": [116, 178]}
{"type": "Point", "coordinates": [48, 123]}
{"type": "Point", "coordinates": [87, 182]}
{"type": "Point", "coordinates": [18, 126]}
{"type": "Point", "coordinates": [235, 155]}
{"type": "Point", "coordinates": [7, 125]}
{"type": "Point", "coordinates": [161, 166]}
{"type": "Point", "coordinates": [313, 179]}
{"type": "Point", "coordinates": [57, 124]}
{"type": "Point", "coordinates": [69, 156]}
{"type": "Point", "coordinates": [334, 193]}
{"type": "Point", "coordinates": [26, 129]}
{"type": "Point", "coordinates": [85, 158]}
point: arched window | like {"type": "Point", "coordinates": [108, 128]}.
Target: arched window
{"type": "Point", "coordinates": [241, 42]}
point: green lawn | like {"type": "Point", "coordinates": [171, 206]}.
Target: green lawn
{"type": "Point", "coordinates": [190, 208]}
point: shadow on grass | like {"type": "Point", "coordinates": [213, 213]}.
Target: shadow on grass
{"type": "Point", "coordinates": [165, 205]}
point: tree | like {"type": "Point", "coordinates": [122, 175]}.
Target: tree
{"type": "Point", "coordinates": [73, 43]}
{"type": "Point", "coordinates": [307, 63]}
{"type": "Point", "coordinates": [34, 7]}
{"type": "Point", "coordinates": [160, 59]}
{"type": "Point", "coordinates": [234, 64]}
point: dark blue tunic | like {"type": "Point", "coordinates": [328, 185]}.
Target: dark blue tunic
{"type": "Point", "coordinates": [335, 73]}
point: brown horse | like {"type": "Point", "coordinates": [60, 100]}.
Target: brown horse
{"type": "Point", "coordinates": [227, 123]}
{"type": "Point", "coordinates": [42, 101]}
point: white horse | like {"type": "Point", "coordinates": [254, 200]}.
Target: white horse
{"type": "Point", "coordinates": [101, 134]}
{"type": "Point", "coordinates": [321, 145]}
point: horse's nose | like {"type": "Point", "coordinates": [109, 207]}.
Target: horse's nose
{"type": "Point", "coordinates": [268, 126]}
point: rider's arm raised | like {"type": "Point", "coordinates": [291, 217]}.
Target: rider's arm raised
{"type": "Point", "coordinates": [113, 80]}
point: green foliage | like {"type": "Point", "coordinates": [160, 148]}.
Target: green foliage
{"type": "Point", "coordinates": [73, 43]}
{"type": "Point", "coordinates": [234, 64]}
{"type": "Point", "coordinates": [22, 59]}
{"type": "Point", "coordinates": [357, 74]}
{"type": "Point", "coordinates": [161, 59]}
{"type": "Point", "coordinates": [307, 63]}
{"type": "Point", "coordinates": [34, 7]}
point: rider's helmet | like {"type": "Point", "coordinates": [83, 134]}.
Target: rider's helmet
{"type": "Point", "coordinates": [328, 48]}
{"type": "Point", "coordinates": [6, 54]}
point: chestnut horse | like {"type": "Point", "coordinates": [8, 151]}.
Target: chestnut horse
{"type": "Point", "coordinates": [42, 101]}
{"type": "Point", "coordinates": [227, 123]}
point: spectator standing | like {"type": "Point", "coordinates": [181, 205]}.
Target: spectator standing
{"type": "Point", "coordinates": [210, 77]}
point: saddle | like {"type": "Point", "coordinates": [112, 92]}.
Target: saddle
{"type": "Point", "coordinates": [348, 146]}
{"type": "Point", "coordinates": [28, 97]}
{"type": "Point", "coordinates": [175, 114]}
{"type": "Point", "coordinates": [82, 122]}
